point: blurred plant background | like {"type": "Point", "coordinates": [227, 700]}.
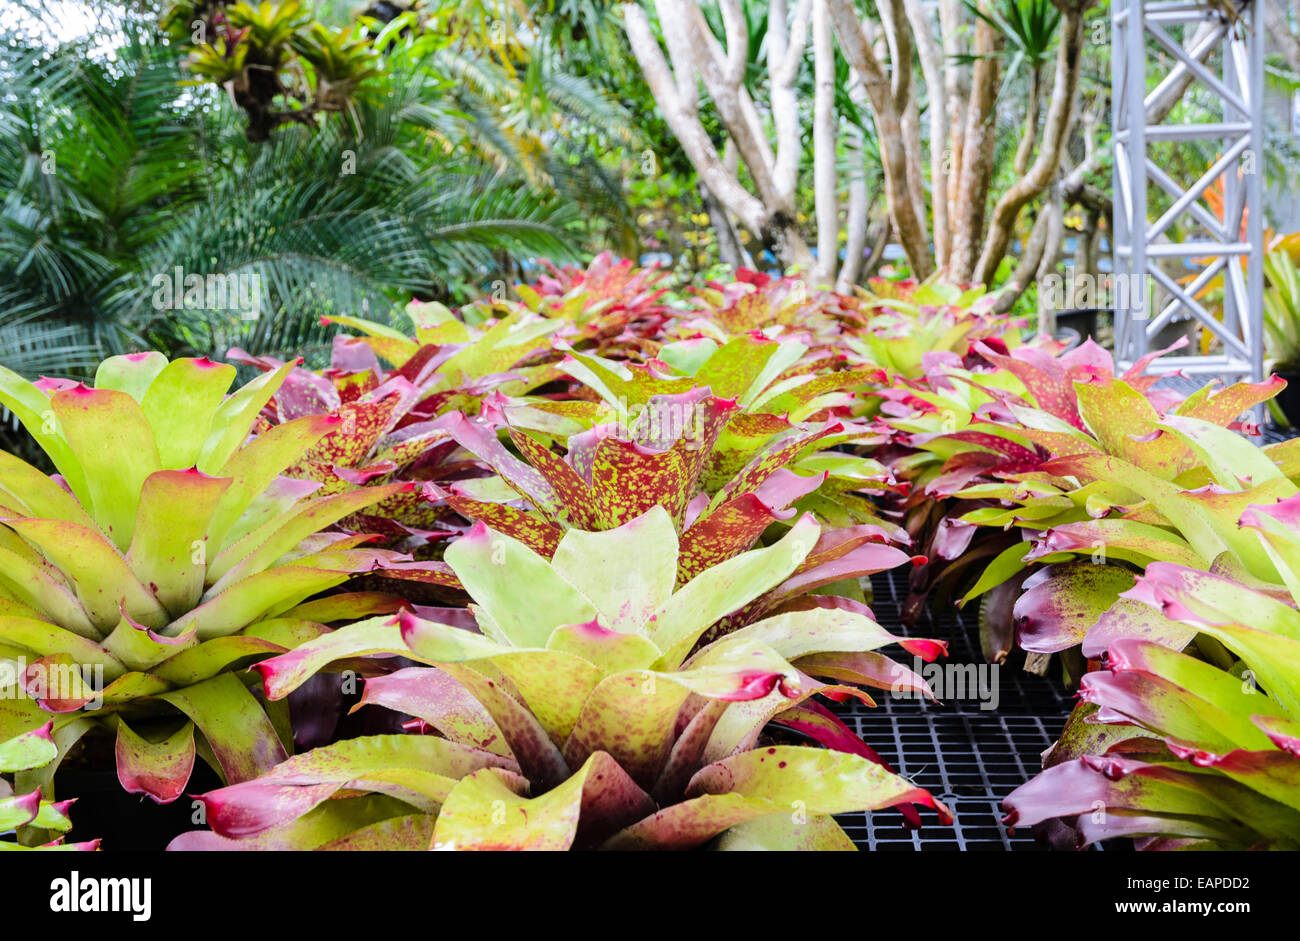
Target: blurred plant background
{"type": "Point", "coordinates": [345, 157]}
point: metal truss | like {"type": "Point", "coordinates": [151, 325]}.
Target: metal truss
{"type": "Point", "coordinates": [1160, 269]}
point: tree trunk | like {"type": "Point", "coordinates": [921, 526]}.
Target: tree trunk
{"type": "Point", "coordinates": [730, 252]}
{"type": "Point", "coordinates": [978, 139]}
{"type": "Point", "coordinates": [932, 71]}
{"type": "Point", "coordinates": [889, 134]}
{"type": "Point", "coordinates": [1025, 151]}
{"type": "Point", "coordinates": [1052, 244]}
{"type": "Point", "coordinates": [1056, 131]}
{"type": "Point", "coordinates": [824, 176]}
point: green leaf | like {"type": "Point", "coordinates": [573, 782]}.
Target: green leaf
{"type": "Point", "coordinates": [115, 446]}
{"type": "Point", "coordinates": [253, 468]}
{"type": "Point", "coordinates": [1231, 458]}
{"type": "Point", "coordinates": [783, 833]}
{"type": "Point", "coordinates": [235, 417]}
{"type": "Point", "coordinates": [169, 549]}
{"type": "Point", "coordinates": [421, 770]}
{"type": "Point", "coordinates": [180, 405]}
{"type": "Point", "coordinates": [234, 725]}
{"type": "Point", "coordinates": [777, 780]}
{"type": "Point", "coordinates": [484, 812]}
{"type": "Point", "coordinates": [627, 573]}
{"type": "Point", "coordinates": [32, 407]}
{"type": "Point", "coordinates": [37, 493]}
{"type": "Point", "coordinates": [525, 597]}
{"type": "Point", "coordinates": [379, 635]}
{"type": "Point", "coordinates": [723, 588]}
{"type": "Point", "coordinates": [551, 683]}
{"type": "Point", "coordinates": [434, 696]}
{"type": "Point", "coordinates": [28, 750]}
{"type": "Point", "coordinates": [247, 601]}
{"type": "Point", "coordinates": [131, 373]}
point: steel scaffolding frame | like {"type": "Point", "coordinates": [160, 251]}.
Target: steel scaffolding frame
{"type": "Point", "coordinates": [1142, 247]}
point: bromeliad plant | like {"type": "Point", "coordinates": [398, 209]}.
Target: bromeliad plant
{"type": "Point", "coordinates": [583, 712]}
{"type": "Point", "coordinates": [385, 431]}
{"type": "Point", "coordinates": [1188, 745]}
{"type": "Point", "coordinates": [1045, 458]}
{"type": "Point", "coordinates": [606, 479]}
{"type": "Point", "coordinates": [609, 306]}
{"type": "Point", "coordinates": [1143, 487]}
{"type": "Point", "coordinates": [905, 321]}
{"type": "Point", "coordinates": [166, 554]}
{"type": "Point", "coordinates": [28, 812]}
{"type": "Point", "coordinates": [777, 407]}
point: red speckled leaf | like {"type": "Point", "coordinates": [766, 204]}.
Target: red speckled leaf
{"type": "Point", "coordinates": [736, 525]}
{"type": "Point", "coordinates": [480, 439]}
{"type": "Point", "coordinates": [1043, 376]}
{"type": "Point", "coordinates": [1008, 449]}
{"type": "Point", "coordinates": [742, 436]}
{"type": "Point", "coordinates": [821, 385]}
{"type": "Point", "coordinates": [1226, 405]}
{"type": "Point", "coordinates": [619, 382]}
{"type": "Point", "coordinates": [408, 443]}
{"type": "Point", "coordinates": [362, 424]}
{"type": "Point", "coordinates": [535, 533]}
{"type": "Point", "coordinates": [572, 493]}
{"type": "Point", "coordinates": [1124, 421]}
{"type": "Point", "coordinates": [628, 479]}
{"type": "Point", "coordinates": [430, 573]}
{"type": "Point", "coordinates": [776, 455]}
{"type": "Point", "coordinates": [732, 369]}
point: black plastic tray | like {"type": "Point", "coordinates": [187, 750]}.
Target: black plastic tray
{"type": "Point", "coordinates": [967, 756]}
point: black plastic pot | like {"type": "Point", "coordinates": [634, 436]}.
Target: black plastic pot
{"type": "Point", "coordinates": [1082, 320]}
{"type": "Point", "coordinates": [1288, 400]}
{"type": "Point", "coordinates": [128, 822]}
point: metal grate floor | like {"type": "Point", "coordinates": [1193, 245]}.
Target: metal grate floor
{"type": "Point", "coordinates": [967, 756]}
